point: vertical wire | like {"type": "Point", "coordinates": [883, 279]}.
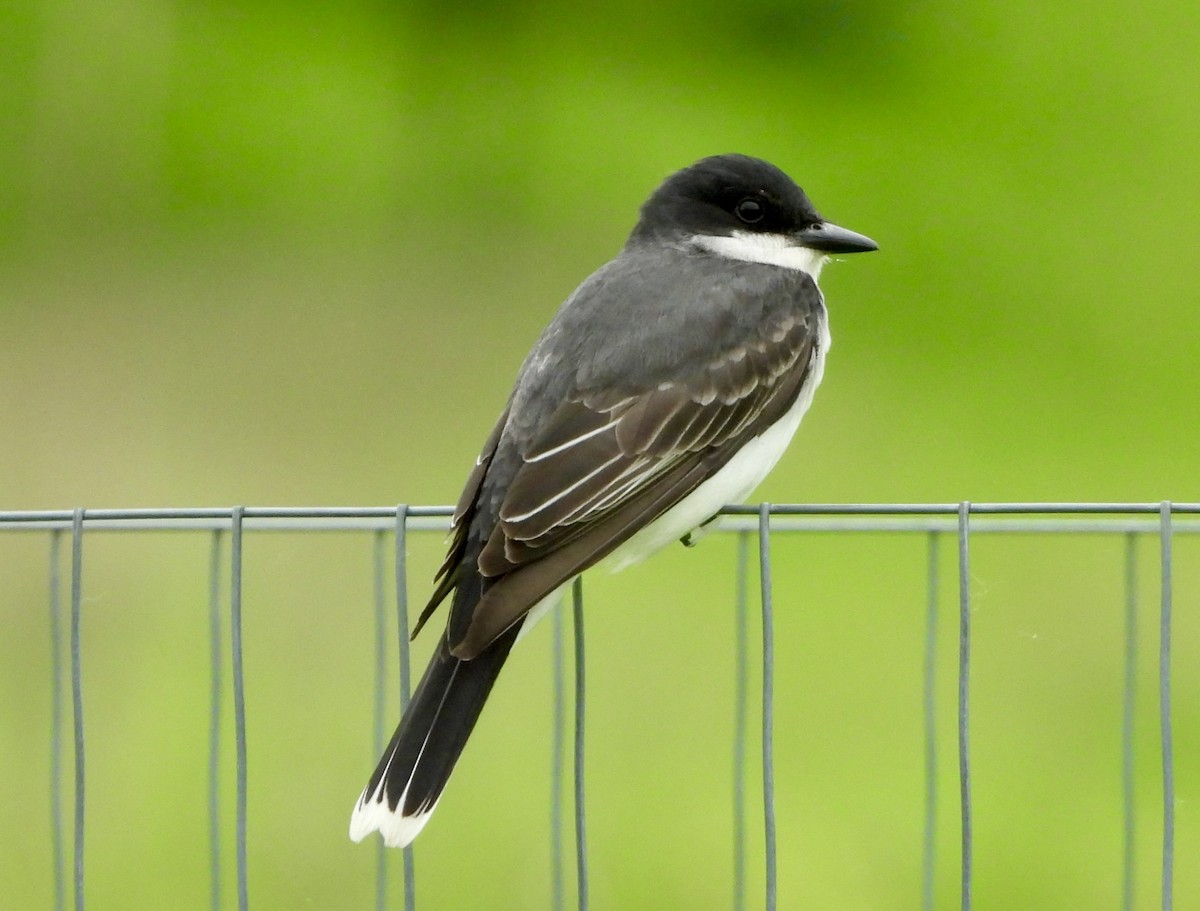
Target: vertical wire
{"type": "Point", "coordinates": [77, 695]}
{"type": "Point", "coordinates": [56, 722]}
{"type": "Point", "coordinates": [409, 864]}
{"type": "Point", "coordinates": [740, 713]}
{"type": "Point", "coordinates": [964, 693]}
{"type": "Point", "coordinates": [379, 700]}
{"type": "Point", "coordinates": [768, 702]}
{"type": "Point", "coordinates": [1164, 691]}
{"type": "Point", "coordinates": [558, 892]}
{"type": "Point", "coordinates": [402, 603]}
{"type": "Point", "coordinates": [214, 720]}
{"type": "Point", "coordinates": [580, 718]}
{"type": "Point", "coordinates": [932, 585]}
{"type": "Point", "coordinates": [1127, 721]}
{"type": "Point", "coordinates": [239, 699]}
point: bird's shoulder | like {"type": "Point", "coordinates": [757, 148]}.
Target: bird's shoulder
{"type": "Point", "coordinates": [655, 316]}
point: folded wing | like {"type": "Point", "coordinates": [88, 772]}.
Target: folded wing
{"type": "Point", "coordinates": [609, 462]}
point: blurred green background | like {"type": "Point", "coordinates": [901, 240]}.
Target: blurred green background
{"type": "Point", "coordinates": [293, 254]}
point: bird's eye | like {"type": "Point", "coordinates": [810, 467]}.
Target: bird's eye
{"type": "Point", "coordinates": [750, 210]}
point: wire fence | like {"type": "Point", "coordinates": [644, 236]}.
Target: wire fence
{"type": "Point", "coordinates": [962, 522]}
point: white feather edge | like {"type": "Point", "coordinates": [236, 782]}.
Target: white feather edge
{"type": "Point", "coordinates": [735, 480]}
{"type": "Point", "coordinates": [372, 813]}
{"type": "Point", "coordinates": [733, 483]}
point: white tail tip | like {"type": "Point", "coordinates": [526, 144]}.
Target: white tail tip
{"type": "Point", "coordinates": [372, 814]}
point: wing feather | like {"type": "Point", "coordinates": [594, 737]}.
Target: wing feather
{"type": "Point", "coordinates": [446, 577]}
{"type": "Point", "coordinates": [571, 548]}
{"type": "Point", "coordinates": [603, 448]}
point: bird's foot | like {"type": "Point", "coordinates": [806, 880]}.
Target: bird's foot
{"type": "Point", "coordinates": [693, 537]}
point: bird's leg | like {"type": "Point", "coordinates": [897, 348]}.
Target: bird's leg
{"type": "Point", "coordinates": [692, 538]}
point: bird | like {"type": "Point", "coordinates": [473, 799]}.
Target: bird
{"type": "Point", "coordinates": [667, 386]}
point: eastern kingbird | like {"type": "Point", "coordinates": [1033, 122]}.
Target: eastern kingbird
{"type": "Point", "coordinates": [668, 385]}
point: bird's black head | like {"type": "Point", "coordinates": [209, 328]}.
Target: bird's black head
{"type": "Point", "coordinates": [738, 196]}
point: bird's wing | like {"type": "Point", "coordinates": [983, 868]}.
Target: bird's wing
{"type": "Point", "coordinates": [608, 462]}
{"type": "Point", "coordinates": [447, 576]}
{"type": "Point", "coordinates": [602, 449]}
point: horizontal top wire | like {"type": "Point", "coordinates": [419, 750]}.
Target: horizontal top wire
{"type": "Point", "coordinates": [848, 517]}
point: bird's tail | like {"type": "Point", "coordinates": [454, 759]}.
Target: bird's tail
{"type": "Point", "coordinates": [403, 791]}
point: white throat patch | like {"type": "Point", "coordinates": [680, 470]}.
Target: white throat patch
{"type": "Point", "coordinates": [768, 249]}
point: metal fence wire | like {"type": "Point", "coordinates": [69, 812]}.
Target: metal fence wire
{"type": "Point", "coordinates": [389, 528]}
